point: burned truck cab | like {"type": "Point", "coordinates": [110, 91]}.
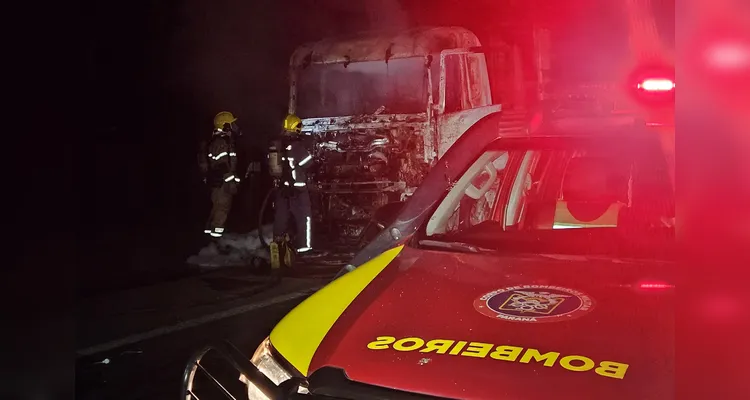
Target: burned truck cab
{"type": "Point", "coordinates": [380, 110]}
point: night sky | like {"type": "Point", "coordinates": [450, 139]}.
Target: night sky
{"type": "Point", "coordinates": [160, 70]}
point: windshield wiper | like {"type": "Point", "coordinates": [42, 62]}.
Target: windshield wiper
{"type": "Point", "coordinates": [452, 246]}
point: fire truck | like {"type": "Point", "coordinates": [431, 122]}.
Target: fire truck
{"type": "Point", "coordinates": [544, 255]}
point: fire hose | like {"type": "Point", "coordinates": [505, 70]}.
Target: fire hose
{"type": "Point", "coordinates": [260, 217]}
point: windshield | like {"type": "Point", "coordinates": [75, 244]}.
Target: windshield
{"type": "Point", "coordinates": [608, 197]}
{"type": "Point", "coordinates": [331, 90]}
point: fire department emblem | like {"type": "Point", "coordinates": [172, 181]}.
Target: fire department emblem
{"type": "Point", "coordinates": [534, 303]}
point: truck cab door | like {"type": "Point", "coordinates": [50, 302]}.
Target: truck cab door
{"type": "Point", "coordinates": [464, 96]}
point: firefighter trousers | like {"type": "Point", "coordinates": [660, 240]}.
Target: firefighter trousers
{"type": "Point", "coordinates": [294, 203]}
{"type": "Point", "coordinates": [221, 199]}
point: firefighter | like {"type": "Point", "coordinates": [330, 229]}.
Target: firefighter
{"type": "Point", "coordinates": [292, 197]}
{"type": "Point", "coordinates": [220, 171]}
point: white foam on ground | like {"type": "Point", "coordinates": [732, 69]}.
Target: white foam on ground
{"type": "Point", "coordinates": [233, 250]}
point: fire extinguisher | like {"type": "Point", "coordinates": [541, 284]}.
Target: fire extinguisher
{"type": "Point", "coordinates": [275, 167]}
{"type": "Point", "coordinates": [282, 253]}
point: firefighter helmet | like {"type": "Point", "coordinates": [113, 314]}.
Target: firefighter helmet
{"type": "Point", "coordinates": [224, 117]}
{"type": "Point", "coordinates": [292, 124]}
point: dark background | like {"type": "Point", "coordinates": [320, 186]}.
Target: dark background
{"type": "Point", "coordinates": [158, 72]}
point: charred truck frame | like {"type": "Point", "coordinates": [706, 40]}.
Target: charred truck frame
{"type": "Point", "coordinates": [381, 109]}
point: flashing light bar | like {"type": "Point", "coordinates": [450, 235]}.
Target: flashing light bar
{"type": "Point", "coordinates": [657, 85]}
{"type": "Point", "coordinates": [655, 285]}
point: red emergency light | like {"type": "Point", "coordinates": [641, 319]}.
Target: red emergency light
{"type": "Point", "coordinates": [655, 285]}
{"type": "Point", "coordinates": [656, 85]}
{"type": "Point", "coordinates": [652, 77]}
{"type": "Point", "coordinates": [653, 87]}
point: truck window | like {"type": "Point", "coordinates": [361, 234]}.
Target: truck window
{"type": "Point", "coordinates": [478, 83]}
{"type": "Point", "coordinates": [332, 90]}
{"type": "Point", "coordinates": [435, 71]}
{"type": "Point", "coordinates": [454, 87]}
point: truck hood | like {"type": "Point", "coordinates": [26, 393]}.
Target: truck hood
{"type": "Point", "coordinates": [431, 322]}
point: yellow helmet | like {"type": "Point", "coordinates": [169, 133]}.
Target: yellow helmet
{"type": "Point", "coordinates": [292, 123]}
{"type": "Point", "coordinates": [224, 117]}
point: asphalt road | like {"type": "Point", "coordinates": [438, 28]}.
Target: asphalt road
{"type": "Point", "coordinates": [152, 369]}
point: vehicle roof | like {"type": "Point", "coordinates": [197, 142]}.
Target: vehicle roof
{"type": "Point", "coordinates": [372, 46]}
{"type": "Point", "coordinates": [579, 125]}
{"type": "Point", "coordinates": [589, 126]}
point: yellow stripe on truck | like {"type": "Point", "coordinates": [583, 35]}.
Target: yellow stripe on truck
{"type": "Point", "coordinates": [300, 332]}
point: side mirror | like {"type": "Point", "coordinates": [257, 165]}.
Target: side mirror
{"type": "Point", "coordinates": [387, 214]}
{"type": "Point", "coordinates": [381, 218]}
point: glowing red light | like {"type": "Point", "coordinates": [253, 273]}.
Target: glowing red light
{"type": "Point", "coordinates": [657, 85]}
{"type": "Point", "coordinates": [728, 55]}
{"type": "Point", "coordinates": [655, 285]}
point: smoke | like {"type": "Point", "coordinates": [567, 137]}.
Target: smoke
{"type": "Point", "coordinates": [233, 250]}
{"type": "Point", "coordinates": [233, 55]}
{"type": "Point", "coordinates": [386, 15]}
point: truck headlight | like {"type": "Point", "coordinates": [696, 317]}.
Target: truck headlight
{"type": "Point", "coordinates": [263, 358]}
